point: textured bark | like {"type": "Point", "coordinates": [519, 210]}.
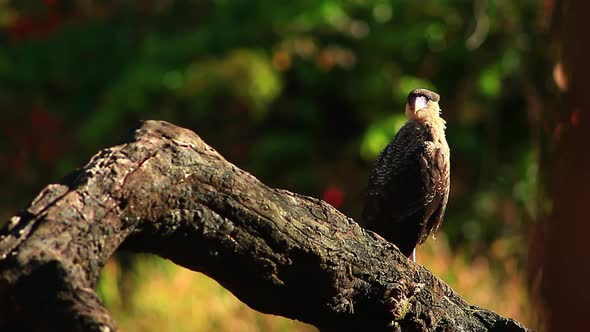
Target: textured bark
{"type": "Point", "coordinates": [166, 192]}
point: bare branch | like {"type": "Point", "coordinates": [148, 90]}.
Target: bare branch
{"type": "Point", "coordinates": [166, 192]}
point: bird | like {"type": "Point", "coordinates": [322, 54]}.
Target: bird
{"type": "Point", "coordinates": [409, 182]}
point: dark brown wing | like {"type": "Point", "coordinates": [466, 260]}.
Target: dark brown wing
{"type": "Point", "coordinates": [408, 187]}
{"type": "Point", "coordinates": [437, 173]}
{"type": "Point", "coordinates": [399, 195]}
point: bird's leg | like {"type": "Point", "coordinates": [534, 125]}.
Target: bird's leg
{"type": "Point", "coordinates": [413, 255]}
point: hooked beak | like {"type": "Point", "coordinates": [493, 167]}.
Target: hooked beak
{"type": "Point", "coordinates": [418, 103]}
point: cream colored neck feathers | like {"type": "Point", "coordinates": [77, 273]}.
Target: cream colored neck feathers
{"type": "Point", "coordinates": [427, 115]}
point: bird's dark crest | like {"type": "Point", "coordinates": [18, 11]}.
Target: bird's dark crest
{"type": "Point", "coordinates": [432, 96]}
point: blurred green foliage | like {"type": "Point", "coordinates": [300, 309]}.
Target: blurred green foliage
{"type": "Point", "coordinates": [303, 94]}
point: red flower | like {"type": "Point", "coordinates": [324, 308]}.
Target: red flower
{"type": "Point", "coordinates": [333, 195]}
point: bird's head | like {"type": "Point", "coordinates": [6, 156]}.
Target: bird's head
{"type": "Point", "coordinates": [422, 105]}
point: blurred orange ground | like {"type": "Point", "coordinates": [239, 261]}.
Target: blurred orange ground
{"type": "Point", "coordinates": [165, 297]}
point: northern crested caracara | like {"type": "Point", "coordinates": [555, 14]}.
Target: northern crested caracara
{"type": "Point", "coordinates": [409, 184]}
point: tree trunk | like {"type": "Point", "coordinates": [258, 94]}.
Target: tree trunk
{"type": "Point", "coordinates": [166, 192]}
{"type": "Point", "coordinates": [566, 272]}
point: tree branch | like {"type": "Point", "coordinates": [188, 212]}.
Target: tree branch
{"type": "Point", "coordinates": [166, 192]}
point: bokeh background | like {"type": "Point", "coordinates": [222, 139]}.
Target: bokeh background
{"type": "Point", "coordinates": [304, 95]}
